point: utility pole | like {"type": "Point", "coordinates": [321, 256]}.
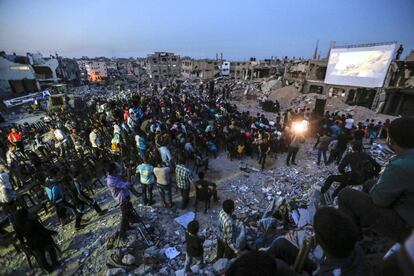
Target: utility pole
{"type": "Point", "coordinates": [315, 54]}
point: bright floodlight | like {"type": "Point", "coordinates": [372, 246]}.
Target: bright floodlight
{"type": "Point", "coordinates": [300, 127]}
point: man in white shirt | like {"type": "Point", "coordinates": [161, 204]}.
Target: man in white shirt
{"type": "Point", "coordinates": [60, 139]}
{"type": "Point", "coordinates": [96, 143]}
{"type": "Point", "coordinates": [349, 122]}
{"type": "Point", "coordinates": [163, 176]}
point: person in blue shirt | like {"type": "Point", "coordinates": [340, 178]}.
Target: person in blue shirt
{"type": "Point", "coordinates": [54, 191]}
{"type": "Point", "coordinates": [335, 130]}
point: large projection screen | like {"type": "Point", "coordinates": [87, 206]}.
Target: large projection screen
{"type": "Point", "coordinates": [359, 66]}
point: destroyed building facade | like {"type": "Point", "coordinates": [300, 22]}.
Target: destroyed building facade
{"type": "Point", "coordinates": [252, 69]}
{"type": "Point", "coordinates": [199, 68]}
{"type": "Point", "coordinates": [163, 65]}
{"type": "Point", "coordinates": [17, 76]}
{"type": "Point", "coordinates": [396, 97]}
{"type": "Point", "coordinates": [96, 69]}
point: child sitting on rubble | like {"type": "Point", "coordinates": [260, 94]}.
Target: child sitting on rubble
{"type": "Point", "coordinates": [194, 245]}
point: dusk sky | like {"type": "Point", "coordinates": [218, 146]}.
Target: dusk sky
{"type": "Point", "coordinates": [238, 28]}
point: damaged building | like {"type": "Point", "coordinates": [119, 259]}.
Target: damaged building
{"type": "Point", "coordinates": [68, 71]}
{"type": "Point", "coordinates": [253, 69]}
{"type": "Point", "coordinates": [396, 97]}
{"type": "Point", "coordinates": [199, 68]}
{"type": "Point", "coordinates": [17, 76]}
{"type": "Point", "coordinates": [45, 69]}
{"type": "Point", "coordinates": [163, 65]}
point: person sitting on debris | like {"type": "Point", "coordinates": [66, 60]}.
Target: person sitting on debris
{"type": "Point", "coordinates": [258, 263]}
{"type": "Point", "coordinates": [400, 262]}
{"type": "Point", "coordinates": [37, 238]}
{"type": "Point", "coordinates": [184, 179]}
{"type": "Point", "coordinates": [363, 167]}
{"type": "Point", "coordinates": [194, 246]}
{"type": "Point", "coordinates": [60, 140]}
{"type": "Point", "coordinates": [388, 209]}
{"type": "Point", "coordinates": [147, 179]}
{"type": "Point", "coordinates": [120, 190]}
{"type": "Point", "coordinates": [204, 190]}
{"type": "Point", "coordinates": [226, 236]}
{"type": "Point", "coordinates": [338, 236]}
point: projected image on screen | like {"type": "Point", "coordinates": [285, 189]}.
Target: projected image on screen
{"type": "Point", "coordinates": [363, 66]}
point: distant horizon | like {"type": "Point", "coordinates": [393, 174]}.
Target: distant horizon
{"type": "Point", "coordinates": [240, 29]}
{"type": "Point", "coordinates": [406, 53]}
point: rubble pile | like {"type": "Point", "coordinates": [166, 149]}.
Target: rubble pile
{"type": "Point", "coordinates": [284, 96]}
{"type": "Point", "coordinates": [381, 153]}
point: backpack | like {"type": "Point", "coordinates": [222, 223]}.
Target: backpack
{"type": "Point", "coordinates": [53, 191]}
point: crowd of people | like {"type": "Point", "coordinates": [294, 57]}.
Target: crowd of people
{"type": "Point", "coordinates": [163, 139]}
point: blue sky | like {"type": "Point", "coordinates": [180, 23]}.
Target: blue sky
{"type": "Point", "coordinates": [238, 28]}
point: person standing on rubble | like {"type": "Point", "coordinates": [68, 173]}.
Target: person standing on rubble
{"type": "Point", "coordinates": [96, 142]}
{"type": "Point", "coordinates": [163, 177]}
{"type": "Point", "coordinates": [388, 208]}
{"type": "Point", "coordinates": [147, 179]}
{"type": "Point", "coordinates": [120, 190]}
{"type": "Point", "coordinates": [16, 138]}
{"type": "Point", "coordinates": [340, 148]}
{"type": "Point", "coordinates": [184, 180]}
{"type": "Point", "coordinates": [293, 149]}
{"type": "Point", "coordinates": [264, 149]}
{"type": "Point", "coordinates": [323, 145]}
{"type": "Point", "coordinates": [54, 191]}
{"type": "Point", "coordinates": [226, 235]}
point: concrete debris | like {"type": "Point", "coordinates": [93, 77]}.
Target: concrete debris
{"type": "Point", "coordinates": [221, 265]}
{"type": "Point", "coordinates": [128, 259]}
{"type": "Point", "coordinates": [208, 243]}
{"type": "Point", "coordinates": [180, 272]}
{"type": "Point", "coordinates": [115, 272]}
{"type": "Point", "coordinates": [195, 269]}
{"type": "Point", "coordinates": [143, 270]}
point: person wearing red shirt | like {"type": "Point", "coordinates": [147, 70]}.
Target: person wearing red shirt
{"type": "Point", "coordinates": [16, 139]}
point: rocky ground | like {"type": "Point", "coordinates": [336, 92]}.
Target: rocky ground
{"type": "Point", "coordinates": [84, 251]}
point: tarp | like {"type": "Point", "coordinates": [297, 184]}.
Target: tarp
{"type": "Point", "coordinates": [26, 99]}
